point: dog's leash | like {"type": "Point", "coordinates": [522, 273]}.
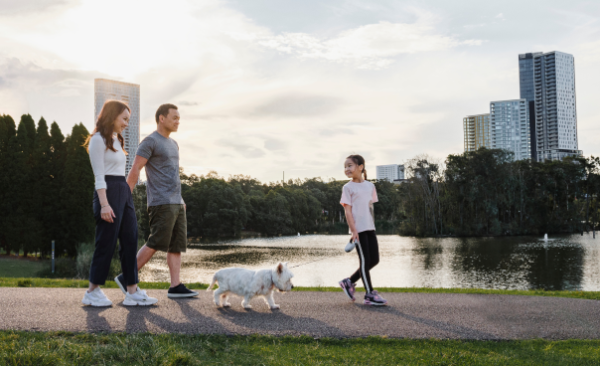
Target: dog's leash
{"type": "Point", "coordinates": [303, 264]}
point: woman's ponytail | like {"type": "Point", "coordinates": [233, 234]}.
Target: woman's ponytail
{"type": "Point", "coordinates": [365, 173]}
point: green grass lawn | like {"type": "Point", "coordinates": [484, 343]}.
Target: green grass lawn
{"type": "Point", "coordinates": [11, 267]}
{"type": "Point", "coordinates": [63, 348]}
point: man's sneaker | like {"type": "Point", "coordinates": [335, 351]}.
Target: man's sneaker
{"type": "Point", "coordinates": [180, 291]}
{"type": "Point", "coordinates": [348, 287]}
{"type": "Point", "coordinates": [139, 298]}
{"type": "Point", "coordinates": [373, 298]}
{"type": "Point", "coordinates": [120, 281]}
{"type": "Point", "coordinates": [96, 298]}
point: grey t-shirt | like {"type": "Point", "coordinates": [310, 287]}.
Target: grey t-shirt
{"type": "Point", "coordinates": [162, 169]}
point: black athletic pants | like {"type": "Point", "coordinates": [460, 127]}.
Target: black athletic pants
{"type": "Point", "coordinates": [123, 228]}
{"type": "Point", "coordinates": [368, 257]}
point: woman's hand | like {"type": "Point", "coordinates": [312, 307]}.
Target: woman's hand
{"type": "Point", "coordinates": [107, 214]}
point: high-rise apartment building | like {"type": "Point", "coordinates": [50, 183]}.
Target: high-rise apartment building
{"type": "Point", "coordinates": [130, 94]}
{"type": "Point", "coordinates": [477, 132]}
{"type": "Point", "coordinates": [393, 172]}
{"type": "Point", "coordinates": [510, 128]}
{"type": "Point", "coordinates": [527, 88]}
{"type": "Point", "coordinates": [548, 80]}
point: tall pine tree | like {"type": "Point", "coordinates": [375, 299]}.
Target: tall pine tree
{"type": "Point", "coordinates": [41, 176]}
{"type": "Point", "coordinates": [7, 133]}
{"type": "Point", "coordinates": [58, 154]}
{"type": "Point", "coordinates": [27, 229]}
{"type": "Point", "coordinates": [77, 192]}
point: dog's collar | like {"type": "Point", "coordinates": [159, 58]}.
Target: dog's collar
{"type": "Point", "coordinates": [273, 282]}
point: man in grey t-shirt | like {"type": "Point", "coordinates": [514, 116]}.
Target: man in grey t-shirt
{"type": "Point", "coordinates": [159, 153]}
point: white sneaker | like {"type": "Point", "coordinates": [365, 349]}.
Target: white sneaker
{"type": "Point", "coordinates": [96, 298]}
{"type": "Point", "coordinates": [139, 298]}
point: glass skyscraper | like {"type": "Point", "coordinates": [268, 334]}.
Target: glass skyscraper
{"type": "Point", "coordinates": [477, 132]}
{"type": "Point", "coordinates": [547, 82]}
{"type": "Point", "coordinates": [527, 86]}
{"type": "Point", "coordinates": [130, 94]}
{"type": "Point", "coordinates": [510, 128]}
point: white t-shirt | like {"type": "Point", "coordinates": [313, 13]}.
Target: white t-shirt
{"type": "Point", "coordinates": [361, 197]}
{"type": "Point", "coordinates": [105, 161]}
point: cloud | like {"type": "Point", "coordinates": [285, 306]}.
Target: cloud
{"type": "Point", "coordinates": [295, 104]}
{"type": "Point", "coordinates": [25, 7]}
{"type": "Point", "coordinates": [329, 132]}
{"type": "Point", "coordinates": [245, 149]}
{"type": "Point", "coordinates": [275, 145]}
{"type": "Point", "coordinates": [186, 103]}
{"type": "Point", "coordinates": [21, 75]}
{"type": "Point", "coordinates": [371, 46]}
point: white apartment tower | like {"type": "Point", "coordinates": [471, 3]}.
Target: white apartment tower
{"type": "Point", "coordinates": [104, 90]}
{"type": "Point", "coordinates": [393, 173]}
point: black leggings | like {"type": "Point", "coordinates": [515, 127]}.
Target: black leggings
{"type": "Point", "coordinates": [368, 257]}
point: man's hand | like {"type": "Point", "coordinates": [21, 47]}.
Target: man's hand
{"type": "Point", "coordinates": [134, 173]}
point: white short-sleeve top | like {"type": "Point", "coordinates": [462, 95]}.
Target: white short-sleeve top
{"type": "Point", "coordinates": [361, 197]}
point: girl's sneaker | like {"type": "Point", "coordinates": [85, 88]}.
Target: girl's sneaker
{"type": "Point", "coordinates": [373, 298]}
{"type": "Point", "coordinates": [348, 287]}
{"type": "Point", "coordinates": [96, 298]}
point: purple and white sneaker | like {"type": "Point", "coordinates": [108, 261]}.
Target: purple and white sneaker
{"type": "Point", "coordinates": [373, 298]}
{"type": "Point", "coordinates": [348, 287]}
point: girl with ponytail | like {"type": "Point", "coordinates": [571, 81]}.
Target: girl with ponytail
{"type": "Point", "coordinates": [358, 197]}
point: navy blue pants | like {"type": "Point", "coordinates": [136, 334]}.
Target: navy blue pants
{"type": "Point", "coordinates": [368, 256]}
{"type": "Point", "coordinates": [123, 228]}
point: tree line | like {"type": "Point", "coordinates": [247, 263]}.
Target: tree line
{"type": "Point", "coordinates": [487, 193]}
{"type": "Point", "coordinates": [47, 183]}
{"type": "Point", "coordinates": [46, 187]}
{"type": "Point", "coordinates": [220, 207]}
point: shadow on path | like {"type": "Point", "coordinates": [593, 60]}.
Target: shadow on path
{"type": "Point", "coordinates": [278, 323]}
{"type": "Point", "coordinates": [138, 317]}
{"type": "Point", "coordinates": [95, 321]}
{"type": "Point", "coordinates": [462, 332]}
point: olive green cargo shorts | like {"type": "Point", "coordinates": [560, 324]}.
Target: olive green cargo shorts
{"type": "Point", "coordinates": [168, 228]}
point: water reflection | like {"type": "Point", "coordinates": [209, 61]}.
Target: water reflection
{"type": "Point", "coordinates": [568, 262]}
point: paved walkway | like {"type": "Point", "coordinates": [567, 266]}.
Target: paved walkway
{"type": "Point", "coordinates": [318, 314]}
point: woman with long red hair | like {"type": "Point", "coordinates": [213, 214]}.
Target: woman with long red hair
{"type": "Point", "coordinates": [113, 208]}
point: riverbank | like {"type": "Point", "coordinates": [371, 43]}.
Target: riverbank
{"type": "Point", "coordinates": [63, 348]}
{"type": "Point", "coordinates": [73, 283]}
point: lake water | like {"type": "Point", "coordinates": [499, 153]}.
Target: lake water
{"type": "Point", "coordinates": [563, 263]}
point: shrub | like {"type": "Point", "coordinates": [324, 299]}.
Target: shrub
{"type": "Point", "coordinates": [85, 252]}
{"type": "Point", "coordinates": [63, 268]}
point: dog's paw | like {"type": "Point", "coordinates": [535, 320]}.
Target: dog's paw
{"type": "Point", "coordinates": [226, 305]}
{"type": "Point", "coordinates": [247, 306]}
{"type": "Point", "coordinates": [275, 307]}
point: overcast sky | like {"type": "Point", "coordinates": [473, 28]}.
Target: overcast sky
{"type": "Point", "coordinates": [266, 86]}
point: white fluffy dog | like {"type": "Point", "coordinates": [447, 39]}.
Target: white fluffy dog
{"type": "Point", "coordinates": [249, 284]}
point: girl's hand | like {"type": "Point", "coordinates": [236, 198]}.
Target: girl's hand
{"type": "Point", "coordinates": [354, 236]}
{"type": "Point", "coordinates": [107, 214]}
